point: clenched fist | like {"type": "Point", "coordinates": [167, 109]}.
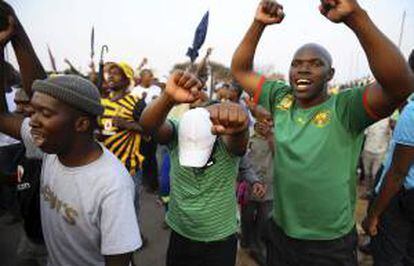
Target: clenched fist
{"type": "Point", "coordinates": [338, 10]}
{"type": "Point", "coordinates": [228, 118]}
{"type": "Point", "coordinates": [269, 12]}
{"type": "Point", "coordinates": [183, 87]}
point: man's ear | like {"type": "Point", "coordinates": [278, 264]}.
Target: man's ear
{"type": "Point", "coordinates": [331, 74]}
{"type": "Point", "coordinates": [82, 124]}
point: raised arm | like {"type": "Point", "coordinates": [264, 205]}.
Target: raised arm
{"type": "Point", "coordinates": [395, 80]}
{"type": "Point", "coordinates": [10, 124]}
{"type": "Point", "coordinates": [182, 87]}
{"type": "Point", "coordinates": [268, 12]}
{"type": "Point", "coordinates": [29, 64]}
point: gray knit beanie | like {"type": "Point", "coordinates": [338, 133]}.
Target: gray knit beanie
{"type": "Point", "coordinates": [73, 90]}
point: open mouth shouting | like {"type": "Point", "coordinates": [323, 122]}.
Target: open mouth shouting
{"type": "Point", "coordinates": [303, 84]}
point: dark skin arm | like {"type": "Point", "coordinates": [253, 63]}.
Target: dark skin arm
{"type": "Point", "coordinates": [127, 125]}
{"type": "Point", "coordinates": [229, 120]}
{"type": "Point", "coordinates": [232, 122]}
{"type": "Point", "coordinates": [30, 66]}
{"type": "Point", "coordinates": [264, 123]}
{"type": "Point", "coordinates": [394, 77]}
{"type": "Point", "coordinates": [395, 80]}
{"type": "Point", "coordinates": [268, 12]}
{"type": "Point", "coordinates": [118, 260]}
{"type": "Point", "coordinates": [402, 160]}
{"type": "Point", "coordinates": [10, 124]}
{"type": "Point", "coordinates": [182, 87]}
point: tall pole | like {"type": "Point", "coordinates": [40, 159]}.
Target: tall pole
{"type": "Point", "coordinates": [402, 29]}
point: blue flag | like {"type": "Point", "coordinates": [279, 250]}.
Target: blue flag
{"type": "Point", "coordinates": [199, 37]}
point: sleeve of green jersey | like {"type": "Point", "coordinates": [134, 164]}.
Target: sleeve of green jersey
{"type": "Point", "coordinates": [352, 111]}
{"type": "Point", "coordinates": [267, 93]}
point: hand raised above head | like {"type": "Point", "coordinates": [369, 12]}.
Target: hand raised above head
{"type": "Point", "coordinates": [183, 87]}
{"type": "Point", "coordinates": [228, 118]}
{"type": "Point", "coordinates": [338, 10]}
{"type": "Point", "coordinates": [8, 22]}
{"type": "Point", "coordinates": [269, 12]}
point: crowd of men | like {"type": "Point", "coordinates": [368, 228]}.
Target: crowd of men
{"type": "Point", "coordinates": [287, 153]}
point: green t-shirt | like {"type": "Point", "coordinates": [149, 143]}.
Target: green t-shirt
{"type": "Point", "coordinates": [317, 152]}
{"type": "Point", "coordinates": [202, 202]}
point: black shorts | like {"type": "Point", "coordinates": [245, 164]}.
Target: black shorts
{"type": "Point", "coordinates": [186, 252]}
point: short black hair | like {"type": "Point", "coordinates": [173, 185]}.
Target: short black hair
{"type": "Point", "coordinates": [145, 71]}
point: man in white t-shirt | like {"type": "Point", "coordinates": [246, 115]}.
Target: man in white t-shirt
{"type": "Point", "coordinates": [87, 208]}
{"type": "Point", "coordinates": [146, 89]}
{"type": "Point", "coordinates": [86, 193]}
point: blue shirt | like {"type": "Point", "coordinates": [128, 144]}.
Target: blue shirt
{"type": "Point", "coordinates": [404, 135]}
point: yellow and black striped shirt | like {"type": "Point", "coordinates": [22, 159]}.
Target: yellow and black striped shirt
{"type": "Point", "coordinates": [123, 143]}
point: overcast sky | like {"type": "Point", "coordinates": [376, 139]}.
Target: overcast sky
{"type": "Point", "coordinates": [162, 30]}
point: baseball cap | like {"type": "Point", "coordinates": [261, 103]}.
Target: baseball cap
{"type": "Point", "coordinates": [195, 140]}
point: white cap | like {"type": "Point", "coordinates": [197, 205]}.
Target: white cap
{"type": "Point", "coordinates": [195, 140]}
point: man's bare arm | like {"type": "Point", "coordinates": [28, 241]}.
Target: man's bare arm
{"type": "Point", "coordinates": [182, 87]}
{"type": "Point", "coordinates": [390, 69]}
{"type": "Point", "coordinates": [402, 160]}
{"type": "Point", "coordinates": [10, 124]}
{"type": "Point", "coordinates": [268, 12]}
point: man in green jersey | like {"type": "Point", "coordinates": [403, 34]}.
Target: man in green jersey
{"type": "Point", "coordinates": [205, 147]}
{"type": "Point", "coordinates": [319, 137]}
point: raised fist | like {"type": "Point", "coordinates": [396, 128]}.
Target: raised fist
{"type": "Point", "coordinates": [7, 23]}
{"type": "Point", "coordinates": [183, 87]}
{"type": "Point", "coordinates": [338, 10]}
{"type": "Point", "coordinates": [269, 12]}
{"type": "Point", "coordinates": [228, 118]}
{"type": "Point", "coordinates": [8, 30]}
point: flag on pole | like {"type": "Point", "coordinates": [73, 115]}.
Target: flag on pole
{"type": "Point", "coordinates": [199, 38]}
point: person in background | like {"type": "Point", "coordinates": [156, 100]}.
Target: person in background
{"type": "Point", "coordinates": [390, 218]}
{"type": "Point", "coordinates": [31, 249]}
{"type": "Point", "coordinates": [146, 88]}
{"type": "Point", "coordinates": [256, 212]}
{"type": "Point", "coordinates": [202, 208]}
{"type": "Point", "coordinates": [377, 137]}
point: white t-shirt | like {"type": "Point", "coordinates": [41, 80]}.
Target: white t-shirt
{"type": "Point", "coordinates": [88, 211]}
{"type": "Point", "coordinates": [152, 92]}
